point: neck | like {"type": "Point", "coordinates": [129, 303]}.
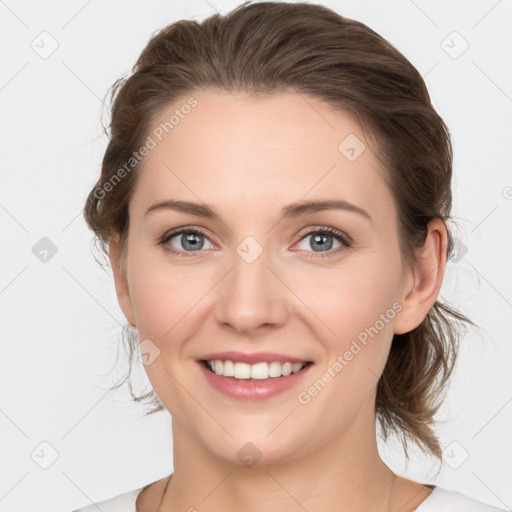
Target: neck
{"type": "Point", "coordinates": [343, 474]}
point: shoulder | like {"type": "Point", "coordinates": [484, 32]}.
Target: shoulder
{"type": "Point", "coordinates": [446, 500]}
{"type": "Point", "coordinates": [121, 503]}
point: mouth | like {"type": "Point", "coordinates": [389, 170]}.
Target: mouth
{"type": "Point", "coordinates": [253, 376]}
{"type": "Point", "coordinates": [253, 382]}
{"type": "Point", "coordinates": [262, 371]}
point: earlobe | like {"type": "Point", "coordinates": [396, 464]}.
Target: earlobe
{"type": "Point", "coordinates": [421, 292]}
{"type": "Point", "coordinates": [120, 280]}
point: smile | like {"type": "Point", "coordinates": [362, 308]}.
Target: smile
{"type": "Point", "coordinates": [253, 382]}
{"type": "Point", "coordinates": [258, 371]}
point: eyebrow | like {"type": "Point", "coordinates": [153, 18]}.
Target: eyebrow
{"type": "Point", "coordinates": [290, 211]}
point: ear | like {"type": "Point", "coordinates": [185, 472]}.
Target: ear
{"type": "Point", "coordinates": [424, 282]}
{"type": "Point", "coordinates": [121, 283]}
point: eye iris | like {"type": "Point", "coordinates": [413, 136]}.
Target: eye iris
{"type": "Point", "coordinates": [189, 240]}
{"type": "Point", "coordinates": [320, 239]}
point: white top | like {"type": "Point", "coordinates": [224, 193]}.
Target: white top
{"type": "Point", "coordinates": [439, 500]}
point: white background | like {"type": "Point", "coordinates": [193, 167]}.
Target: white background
{"type": "Point", "coordinates": [61, 321]}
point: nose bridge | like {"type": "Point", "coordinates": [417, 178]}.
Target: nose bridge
{"type": "Point", "coordinates": [250, 272]}
{"type": "Point", "coordinates": [251, 294]}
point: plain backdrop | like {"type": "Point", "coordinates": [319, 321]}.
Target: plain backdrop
{"type": "Point", "coordinates": [65, 439]}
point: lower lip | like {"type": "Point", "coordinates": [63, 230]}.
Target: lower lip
{"type": "Point", "coordinates": [253, 389]}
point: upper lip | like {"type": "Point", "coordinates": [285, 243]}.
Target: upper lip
{"type": "Point", "coordinates": [252, 358]}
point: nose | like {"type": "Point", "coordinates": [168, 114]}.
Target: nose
{"type": "Point", "coordinates": [252, 296]}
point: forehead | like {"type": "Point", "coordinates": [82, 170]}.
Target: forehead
{"type": "Point", "coordinates": [241, 152]}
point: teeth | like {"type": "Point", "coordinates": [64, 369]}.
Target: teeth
{"type": "Point", "coordinates": [219, 367]}
{"type": "Point", "coordinates": [242, 371]}
{"type": "Point", "coordinates": [258, 371]}
{"type": "Point", "coordinates": [229, 369]}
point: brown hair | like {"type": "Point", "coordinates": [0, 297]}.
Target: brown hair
{"type": "Point", "coordinates": [269, 47]}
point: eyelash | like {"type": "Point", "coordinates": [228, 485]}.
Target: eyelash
{"type": "Point", "coordinates": [345, 240]}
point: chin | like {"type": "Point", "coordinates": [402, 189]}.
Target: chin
{"type": "Point", "coordinates": [250, 446]}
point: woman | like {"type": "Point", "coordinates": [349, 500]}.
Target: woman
{"type": "Point", "coordinates": [274, 201]}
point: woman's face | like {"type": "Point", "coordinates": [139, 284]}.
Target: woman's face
{"type": "Point", "coordinates": [257, 280]}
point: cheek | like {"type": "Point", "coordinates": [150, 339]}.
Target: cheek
{"type": "Point", "coordinates": [165, 298]}
{"type": "Point", "coordinates": [153, 301]}
{"type": "Point", "coordinates": [348, 300]}
{"type": "Point", "coordinates": [355, 321]}
{"type": "Point", "coordinates": [359, 313]}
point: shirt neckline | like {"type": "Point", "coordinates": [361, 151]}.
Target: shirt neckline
{"type": "Point", "coordinates": [435, 490]}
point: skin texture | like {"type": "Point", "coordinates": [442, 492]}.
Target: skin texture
{"type": "Point", "coordinates": [247, 158]}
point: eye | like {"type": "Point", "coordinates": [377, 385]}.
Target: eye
{"type": "Point", "coordinates": [187, 240]}
{"type": "Point", "coordinates": [190, 240]}
{"type": "Point", "coordinates": [322, 239]}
